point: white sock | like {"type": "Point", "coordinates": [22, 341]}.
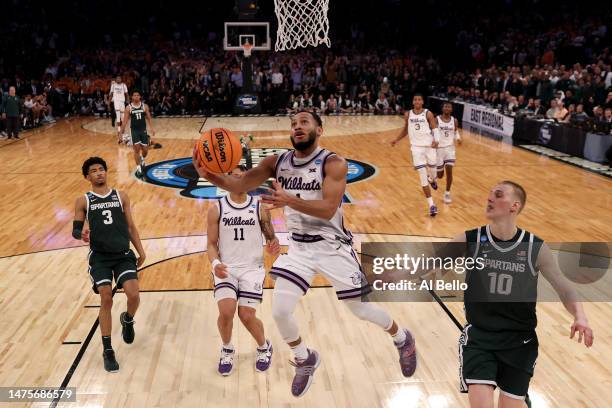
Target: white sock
{"type": "Point", "coordinates": [430, 201]}
{"type": "Point", "coordinates": [300, 352]}
{"type": "Point", "coordinates": [265, 346]}
{"type": "Point", "coordinates": [228, 346]}
{"type": "Point", "coordinates": [400, 337]}
{"type": "Point", "coordinates": [447, 192]}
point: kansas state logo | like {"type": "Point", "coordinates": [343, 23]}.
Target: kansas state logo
{"type": "Point", "coordinates": [180, 174]}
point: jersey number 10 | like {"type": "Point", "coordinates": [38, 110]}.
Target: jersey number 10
{"type": "Point", "coordinates": [500, 284]}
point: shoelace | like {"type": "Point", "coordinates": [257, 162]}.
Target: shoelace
{"type": "Point", "coordinates": [263, 356]}
{"type": "Point", "coordinates": [302, 370]}
{"type": "Point", "coordinates": [227, 358]}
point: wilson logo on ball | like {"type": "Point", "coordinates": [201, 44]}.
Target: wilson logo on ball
{"type": "Point", "coordinates": [220, 136]}
{"type": "Point", "coordinates": [219, 150]}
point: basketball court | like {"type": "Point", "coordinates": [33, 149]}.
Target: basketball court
{"type": "Point", "coordinates": [50, 335]}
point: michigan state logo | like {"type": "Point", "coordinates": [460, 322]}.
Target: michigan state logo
{"type": "Point", "coordinates": [180, 174]}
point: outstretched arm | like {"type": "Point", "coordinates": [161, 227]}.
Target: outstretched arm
{"type": "Point", "coordinates": [549, 268]}
{"type": "Point", "coordinates": [250, 180]}
{"type": "Point", "coordinates": [333, 189]}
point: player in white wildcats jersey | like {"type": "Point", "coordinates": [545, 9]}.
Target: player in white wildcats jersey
{"type": "Point", "coordinates": [445, 154]}
{"type": "Point", "coordinates": [422, 129]}
{"type": "Point", "coordinates": [118, 95]}
{"type": "Point", "coordinates": [235, 227]}
{"type": "Point", "coordinates": [309, 184]}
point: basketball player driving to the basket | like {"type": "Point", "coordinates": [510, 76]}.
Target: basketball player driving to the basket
{"type": "Point", "coordinates": [309, 184]}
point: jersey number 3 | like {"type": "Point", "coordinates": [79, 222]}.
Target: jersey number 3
{"type": "Point", "coordinates": [109, 216]}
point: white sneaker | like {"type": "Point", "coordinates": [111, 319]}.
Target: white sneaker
{"type": "Point", "coordinates": [226, 362]}
{"type": "Point", "coordinates": [447, 198]}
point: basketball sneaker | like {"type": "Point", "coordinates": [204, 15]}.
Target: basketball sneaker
{"type": "Point", "coordinates": [447, 198]}
{"type": "Point", "coordinates": [226, 361]}
{"type": "Point", "coordinates": [138, 172]}
{"type": "Point", "coordinates": [127, 330]}
{"type": "Point", "coordinates": [433, 210]}
{"type": "Point", "coordinates": [304, 372]}
{"type": "Point", "coordinates": [110, 363]}
{"type": "Point", "coordinates": [263, 358]}
{"type": "Point", "coordinates": [432, 183]}
{"type": "Point", "coordinates": [407, 355]}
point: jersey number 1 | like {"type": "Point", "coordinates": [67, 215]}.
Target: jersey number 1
{"type": "Point", "coordinates": [236, 238]}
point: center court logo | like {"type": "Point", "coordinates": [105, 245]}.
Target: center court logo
{"type": "Point", "coordinates": [180, 174]}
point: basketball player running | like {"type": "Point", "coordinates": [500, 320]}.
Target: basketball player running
{"type": "Point", "coordinates": [309, 184]}
{"type": "Point", "coordinates": [119, 94]}
{"type": "Point", "coordinates": [111, 228]}
{"type": "Point", "coordinates": [138, 115]}
{"type": "Point", "coordinates": [499, 346]}
{"type": "Point", "coordinates": [235, 226]}
{"type": "Point", "coordinates": [422, 130]}
{"type": "Point", "coordinates": [449, 132]}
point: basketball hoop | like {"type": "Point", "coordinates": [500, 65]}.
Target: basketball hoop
{"type": "Point", "coordinates": [247, 49]}
{"type": "Point", "coordinates": [301, 23]}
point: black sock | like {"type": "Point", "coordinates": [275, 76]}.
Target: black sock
{"type": "Point", "coordinates": [106, 342]}
{"type": "Point", "coordinates": [128, 318]}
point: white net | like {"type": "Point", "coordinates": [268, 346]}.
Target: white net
{"type": "Point", "coordinates": [301, 23]}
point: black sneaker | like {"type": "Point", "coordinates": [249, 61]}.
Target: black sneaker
{"type": "Point", "coordinates": [110, 363]}
{"type": "Point", "coordinates": [128, 328]}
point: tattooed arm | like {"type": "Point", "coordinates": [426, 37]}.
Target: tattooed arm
{"type": "Point", "coordinates": [272, 245]}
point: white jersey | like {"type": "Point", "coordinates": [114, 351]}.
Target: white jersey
{"type": "Point", "coordinates": [118, 91]}
{"type": "Point", "coordinates": [447, 132]}
{"type": "Point", "coordinates": [419, 131]}
{"type": "Point", "coordinates": [305, 180]}
{"type": "Point", "coordinates": [240, 238]}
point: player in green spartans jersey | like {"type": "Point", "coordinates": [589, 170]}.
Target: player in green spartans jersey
{"type": "Point", "coordinates": [498, 346]}
{"type": "Point", "coordinates": [137, 113]}
{"type": "Point", "coordinates": [109, 232]}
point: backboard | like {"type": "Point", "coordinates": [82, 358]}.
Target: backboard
{"type": "Point", "coordinates": [236, 33]}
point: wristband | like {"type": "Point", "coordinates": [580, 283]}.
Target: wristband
{"type": "Point", "coordinates": [215, 262]}
{"type": "Point", "coordinates": [77, 229]}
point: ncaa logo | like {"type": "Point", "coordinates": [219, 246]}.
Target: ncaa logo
{"type": "Point", "coordinates": [180, 174]}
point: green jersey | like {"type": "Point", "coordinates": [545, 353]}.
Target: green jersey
{"type": "Point", "coordinates": [502, 296]}
{"type": "Point", "coordinates": [107, 223]}
{"type": "Point", "coordinates": [138, 122]}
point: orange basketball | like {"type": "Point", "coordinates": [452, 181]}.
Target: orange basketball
{"type": "Point", "coordinates": [218, 150]}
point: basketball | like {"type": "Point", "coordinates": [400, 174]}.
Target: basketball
{"type": "Point", "coordinates": [218, 150]}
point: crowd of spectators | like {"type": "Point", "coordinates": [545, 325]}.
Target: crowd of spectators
{"type": "Point", "coordinates": [502, 56]}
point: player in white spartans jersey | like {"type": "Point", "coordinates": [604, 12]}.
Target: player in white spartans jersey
{"type": "Point", "coordinates": [422, 129]}
{"type": "Point", "coordinates": [235, 227]}
{"type": "Point", "coordinates": [119, 94]}
{"type": "Point", "coordinates": [309, 184]}
{"type": "Point", "coordinates": [449, 133]}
